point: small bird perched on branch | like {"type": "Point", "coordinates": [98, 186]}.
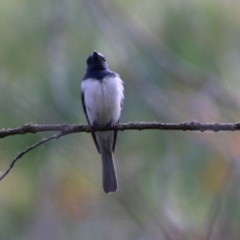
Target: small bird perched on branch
{"type": "Point", "coordinates": [102, 95]}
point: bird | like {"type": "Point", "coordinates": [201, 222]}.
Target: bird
{"type": "Point", "coordinates": [102, 95]}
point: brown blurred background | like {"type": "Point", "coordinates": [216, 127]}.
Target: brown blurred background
{"type": "Point", "coordinates": [180, 61]}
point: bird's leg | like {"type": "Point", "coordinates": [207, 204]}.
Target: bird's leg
{"type": "Point", "coordinates": [94, 125]}
{"type": "Point", "coordinates": [109, 124]}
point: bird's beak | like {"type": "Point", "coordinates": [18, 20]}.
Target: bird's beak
{"type": "Point", "coordinates": [95, 54]}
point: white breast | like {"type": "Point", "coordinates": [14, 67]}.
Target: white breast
{"type": "Point", "coordinates": [103, 99]}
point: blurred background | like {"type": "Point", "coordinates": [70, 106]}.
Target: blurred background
{"type": "Point", "coordinates": [179, 60]}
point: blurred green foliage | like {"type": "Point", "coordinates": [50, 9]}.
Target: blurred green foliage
{"type": "Point", "coordinates": [179, 61]}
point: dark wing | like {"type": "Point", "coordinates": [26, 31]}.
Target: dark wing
{"type": "Point", "coordinates": [85, 112]}
{"type": "Point", "coordinates": [121, 104]}
{"type": "Point", "coordinates": [115, 131]}
{"type": "Point", "coordinates": [114, 139]}
{"type": "Point", "coordinates": [84, 106]}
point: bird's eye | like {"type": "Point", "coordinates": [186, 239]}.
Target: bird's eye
{"type": "Point", "coordinates": [103, 59]}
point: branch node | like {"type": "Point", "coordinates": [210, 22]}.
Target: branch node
{"type": "Point", "coordinates": [28, 128]}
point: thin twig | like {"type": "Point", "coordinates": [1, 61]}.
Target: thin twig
{"type": "Point", "coordinates": [185, 126]}
{"type": "Point", "coordinates": [28, 149]}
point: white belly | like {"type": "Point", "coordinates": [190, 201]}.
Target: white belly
{"type": "Point", "coordinates": [103, 99]}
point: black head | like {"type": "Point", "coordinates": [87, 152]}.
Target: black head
{"type": "Point", "coordinates": [97, 67]}
{"type": "Point", "coordinates": [96, 61]}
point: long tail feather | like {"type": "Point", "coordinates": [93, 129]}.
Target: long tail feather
{"type": "Point", "coordinates": [109, 173]}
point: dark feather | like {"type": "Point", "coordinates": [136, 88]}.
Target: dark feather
{"type": "Point", "coordinates": [114, 139]}
{"type": "Point", "coordinates": [99, 74]}
{"type": "Point", "coordinates": [85, 112]}
{"type": "Point", "coordinates": [116, 132]}
{"type": "Point", "coordinates": [109, 173]}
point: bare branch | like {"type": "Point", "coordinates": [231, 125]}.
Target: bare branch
{"type": "Point", "coordinates": [28, 149]}
{"type": "Point", "coordinates": [67, 129]}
